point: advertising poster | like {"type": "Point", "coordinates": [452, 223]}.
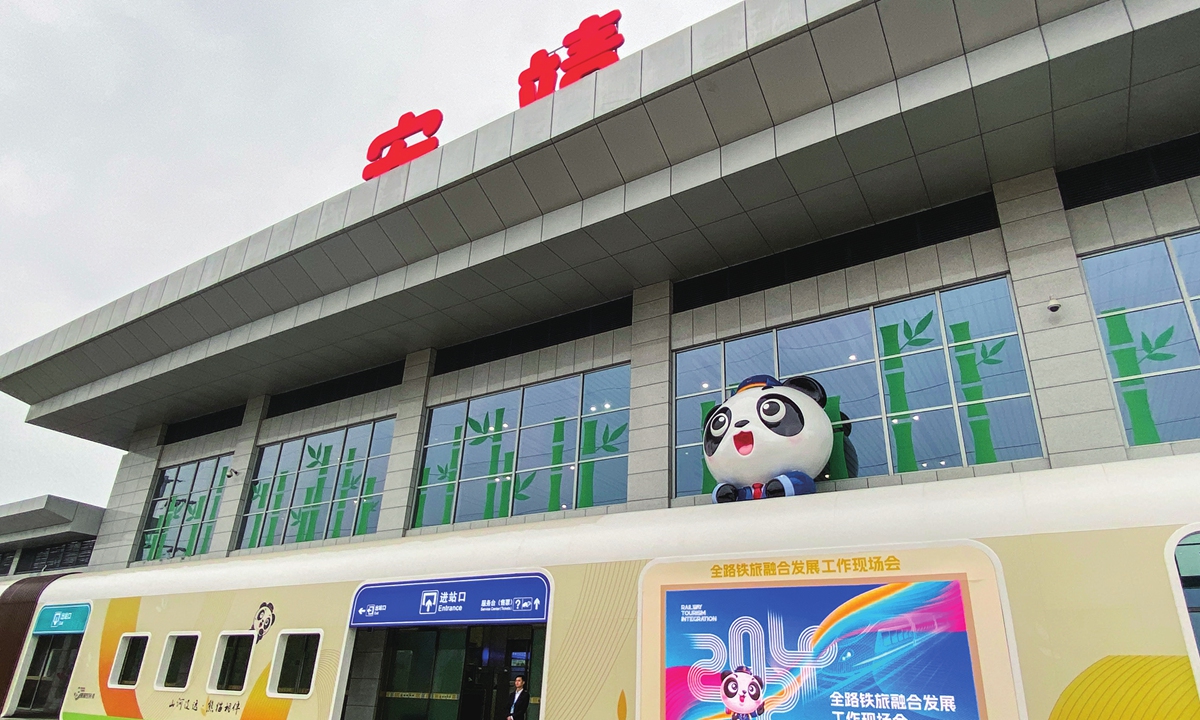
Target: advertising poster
{"type": "Point", "coordinates": [843, 650]}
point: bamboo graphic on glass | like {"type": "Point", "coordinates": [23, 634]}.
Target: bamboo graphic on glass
{"type": "Point", "coordinates": [196, 515]}
{"type": "Point", "coordinates": [893, 377]}
{"type": "Point", "coordinates": [1125, 354]}
{"type": "Point", "coordinates": [972, 387]}
{"type": "Point", "coordinates": [447, 473]}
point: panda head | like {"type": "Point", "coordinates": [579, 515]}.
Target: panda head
{"type": "Point", "coordinates": [768, 428]}
{"type": "Point", "coordinates": [742, 691]}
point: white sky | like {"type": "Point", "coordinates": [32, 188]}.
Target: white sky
{"type": "Point", "coordinates": [137, 137]}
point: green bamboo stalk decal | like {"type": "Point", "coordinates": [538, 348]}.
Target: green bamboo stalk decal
{"type": "Point", "coordinates": [972, 388]}
{"type": "Point", "coordinates": [1125, 354]}
{"type": "Point", "coordinates": [708, 483]}
{"type": "Point", "coordinates": [893, 375]}
{"type": "Point", "coordinates": [206, 538]}
{"type": "Point", "coordinates": [557, 448]}
{"type": "Point", "coordinates": [837, 459]}
{"type": "Point", "coordinates": [587, 471]}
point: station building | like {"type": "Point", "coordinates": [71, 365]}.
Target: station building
{"type": "Point", "coordinates": [975, 222]}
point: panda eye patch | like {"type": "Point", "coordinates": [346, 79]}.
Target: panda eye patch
{"type": "Point", "coordinates": [714, 432]}
{"type": "Point", "coordinates": [731, 687]}
{"type": "Point", "coordinates": [780, 415]}
{"type": "Point", "coordinates": [753, 691]}
{"type": "Point", "coordinates": [719, 424]}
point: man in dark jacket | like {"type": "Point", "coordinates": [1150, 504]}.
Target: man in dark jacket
{"type": "Point", "coordinates": [518, 700]}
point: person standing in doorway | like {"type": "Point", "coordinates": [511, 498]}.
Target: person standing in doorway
{"type": "Point", "coordinates": [518, 700]}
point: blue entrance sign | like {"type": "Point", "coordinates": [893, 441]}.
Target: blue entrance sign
{"type": "Point", "coordinates": [62, 619]}
{"type": "Point", "coordinates": [510, 599]}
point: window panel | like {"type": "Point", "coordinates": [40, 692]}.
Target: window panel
{"type": "Point", "coordinates": [435, 506]}
{"type": "Point", "coordinates": [925, 441]}
{"type": "Point", "coordinates": [132, 652]}
{"type": "Point", "coordinates": [441, 463]}
{"type": "Point", "coordinates": [189, 540]}
{"type": "Point", "coordinates": [604, 435]}
{"type": "Point", "coordinates": [306, 523]}
{"type": "Point", "coordinates": [606, 390]}
{"type": "Point", "coordinates": [315, 482]}
{"type": "Point", "coordinates": [852, 392]}
{"type": "Point", "coordinates": [551, 444]}
{"type": "Point", "coordinates": [908, 326]}
{"type": "Point", "coordinates": [446, 423]}
{"type": "Point", "coordinates": [368, 514]}
{"type": "Point", "coordinates": [861, 452]}
{"type": "Point", "coordinates": [268, 459]}
{"type": "Point", "coordinates": [1187, 253]}
{"type": "Point", "coordinates": [493, 413]}
{"type": "Point", "coordinates": [544, 490]}
{"type": "Point", "coordinates": [698, 370]}
{"type": "Point", "coordinates": [978, 311]}
{"type": "Point", "coordinates": [988, 369]}
{"type": "Point", "coordinates": [1149, 341]}
{"type": "Point", "coordinates": [252, 526]}
{"type": "Point", "coordinates": [375, 475]}
{"type": "Point", "coordinates": [179, 663]}
{"type": "Point", "coordinates": [804, 349]}
{"type": "Point", "coordinates": [297, 665]}
{"type": "Point", "coordinates": [1000, 431]}
{"type": "Point", "coordinates": [156, 516]}
{"type": "Point", "coordinates": [206, 536]}
{"type": "Point", "coordinates": [341, 518]}
{"type": "Point", "coordinates": [234, 651]}
{"type": "Point", "coordinates": [550, 401]}
{"type": "Point", "coordinates": [754, 355]}
{"type": "Point", "coordinates": [185, 479]}
{"type": "Point", "coordinates": [166, 482]}
{"type": "Point", "coordinates": [381, 438]}
{"type": "Point", "coordinates": [689, 417]}
{"type": "Point", "coordinates": [691, 474]}
{"type": "Point", "coordinates": [350, 479]}
{"type": "Point", "coordinates": [603, 482]}
{"type": "Point", "coordinates": [489, 455]}
{"type": "Point", "coordinates": [358, 443]}
{"type": "Point", "coordinates": [151, 548]}
{"type": "Point", "coordinates": [1131, 278]}
{"type": "Point", "coordinates": [275, 524]}
{"type": "Point", "coordinates": [204, 474]}
{"type": "Point", "coordinates": [912, 382]}
{"type": "Point", "coordinates": [483, 499]}
{"type": "Point", "coordinates": [1160, 408]}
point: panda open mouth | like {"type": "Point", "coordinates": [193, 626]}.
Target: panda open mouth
{"type": "Point", "coordinates": [744, 442]}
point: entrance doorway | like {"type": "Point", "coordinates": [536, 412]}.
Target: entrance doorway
{"type": "Point", "coordinates": [459, 673]}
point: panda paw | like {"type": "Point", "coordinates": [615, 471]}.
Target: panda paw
{"type": "Point", "coordinates": [725, 493]}
{"type": "Point", "coordinates": [788, 484]}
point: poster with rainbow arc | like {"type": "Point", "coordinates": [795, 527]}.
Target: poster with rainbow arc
{"type": "Point", "coordinates": [864, 651]}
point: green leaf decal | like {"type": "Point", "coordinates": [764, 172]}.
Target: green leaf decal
{"type": "Point", "coordinates": [1162, 340]}
{"type": "Point", "coordinates": [522, 485]}
{"type": "Point", "coordinates": [908, 331]}
{"type": "Point", "coordinates": [475, 424]}
{"type": "Point", "coordinates": [1160, 356]}
{"type": "Point", "coordinates": [918, 342]}
{"type": "Point", "coordinates": [924, 323]}
{"type": "Point", "coordinates": [312, 451]}
{"type": "Point", "coordinates": [997, 346]}
{"type": "Point", "coordinates": [1147, 346]}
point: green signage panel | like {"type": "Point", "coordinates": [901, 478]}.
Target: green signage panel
{"type": "Point", "coordinates": [62, 619]}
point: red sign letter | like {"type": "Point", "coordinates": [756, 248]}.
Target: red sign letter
{"type": "Point", "coordinates": [540, 79]}
{"type": "Point", "coordinates": [592, 47]}
{"type": "Point", "coordinates": [398, 151]}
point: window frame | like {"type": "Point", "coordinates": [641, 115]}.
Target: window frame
{"type": "Point", "coordinates": [1188, 302]}
{"type": "Point", "coordinates": [579, 417]}
{"type": "Point", "coordinates": [945, 349]}
{"type": "Point", "coordinates": [247, 514]}
{"type": "Point", "coordinates": [277, 662]}
{"type": "Point", "coordinates": [114, 674]}
{"type": "Point", "coordinates": [140, 555]}
{"type": "Point", "coordinates": [160, 677]}
{"type": "Point", "coordinates": [214, 672]}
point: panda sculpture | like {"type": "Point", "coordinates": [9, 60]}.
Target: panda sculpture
{"type": "Point", "coordinates": [742, 694]}
{"type": "Point", "coordinates": [769, 439]}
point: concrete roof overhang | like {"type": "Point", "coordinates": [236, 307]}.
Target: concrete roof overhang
{"type": "Point", "coordinates": [770, 125]}
{"type": "Point", "coordinates": [47, 519]}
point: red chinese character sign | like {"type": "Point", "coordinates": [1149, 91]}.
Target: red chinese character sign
{"type": "Point", "coordinates": [591, 47]}
{"type": "Point", "coordinates": [391, 150]}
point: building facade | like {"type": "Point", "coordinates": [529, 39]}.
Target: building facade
{"type": "Point", "coordinates": [975, 222]}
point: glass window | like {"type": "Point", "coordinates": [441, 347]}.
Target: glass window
{"type": "Point", "coordinates": [1145, 299]}
{"type": "Point", "coordinates": [77, 553]}
{"type": "Point", "coordinates": [326, 485]}
{"type": "Point", "coordinates": [184, 509]}
{"type": "Point", "coordinates": [480, 462]}
{"type": "Point", "coordinates": [233, 660]}
{"type": "Point", "coordinates": [130, 653]}
{"type": "Point", "coordinates": [178, 656]}
{"type": "Point", "coordinates": [296, 662]}
{"type": "Point", "coordinates": [930, 382]}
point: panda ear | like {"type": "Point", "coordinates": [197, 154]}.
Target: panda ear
{"type": "Point", "coordinates": [761, 684]}
{"type": "Point", "coordinates": [809, 387]}
{"type": "Point", "coordinates": [725, 674]}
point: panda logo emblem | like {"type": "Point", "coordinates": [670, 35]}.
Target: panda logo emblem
{"type": "Point", "coordinates": [742, 693]}
{"type": "Point", "coordinates": [769, 439]}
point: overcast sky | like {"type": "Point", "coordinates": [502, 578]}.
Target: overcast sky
{"type": "Point", "coordinates": [136, 137]}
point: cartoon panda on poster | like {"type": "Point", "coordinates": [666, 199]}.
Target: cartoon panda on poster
{"type": "Point", "coordinates": [769, 439]}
